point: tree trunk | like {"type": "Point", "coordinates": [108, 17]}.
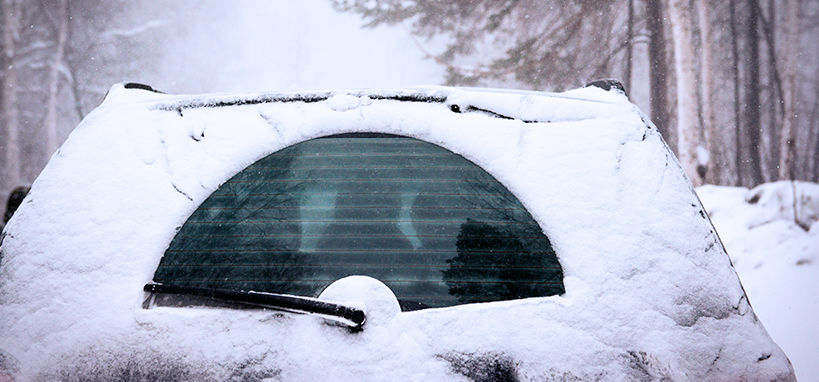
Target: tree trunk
{"type": "Point", "coordinates": [737, 104]}
{"type": "Point", "coordinates": [775, 94]}
{"type": "Point", "coordinates": [629, 45]}
{"type": "Point", "coordinates": [813, 134]}
{"type": "Point", "coordinates": [816, 161]}
{"type": "Point", "coordinates": [57, 66]}
{"type": "Point", "coordinates": [711, 137]}
{"type": "Point", "coordinates": [787, 156]}
{"type": "Point", "coordinates": [11, 14]}
{"type": "Point", "coordinates": [688, 127]}
{"type": "Point", "coordinates": [658, 71]}
{"type": "Point", "coordinates": [752, 89]}
{"type": "Point", "coordinates": [71, 65]}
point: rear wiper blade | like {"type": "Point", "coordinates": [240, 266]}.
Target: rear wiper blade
{"type": "Point", "coordinates": [267, 300]}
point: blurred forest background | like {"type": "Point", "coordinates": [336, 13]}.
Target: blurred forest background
{"type": "Point", "coordinates": [733, 85]}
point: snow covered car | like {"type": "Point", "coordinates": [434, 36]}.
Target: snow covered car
{"type": "Point", "coordinates": [419, 234]}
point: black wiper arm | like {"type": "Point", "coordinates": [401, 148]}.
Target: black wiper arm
{"type": "Point", "coordinates": [267, 300]}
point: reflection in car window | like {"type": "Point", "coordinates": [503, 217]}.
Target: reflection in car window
{"type": "Point", "coordinates": [433, 226]}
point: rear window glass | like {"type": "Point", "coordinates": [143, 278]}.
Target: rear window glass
{"type": "Point", "coordinates": [433, 226]}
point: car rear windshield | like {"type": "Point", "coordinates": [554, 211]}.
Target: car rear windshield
{"type": "Point", "coordinates": [433, 226]}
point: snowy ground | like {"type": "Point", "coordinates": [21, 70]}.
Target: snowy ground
{"type": "Point", "coordinates": [777, 260]}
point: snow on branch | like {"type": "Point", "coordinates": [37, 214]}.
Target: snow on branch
{"type": "Point", "coordinates": [114, 33]}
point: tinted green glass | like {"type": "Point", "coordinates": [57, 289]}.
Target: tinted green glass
{"type": "Point", "coordinates": [433, 226]}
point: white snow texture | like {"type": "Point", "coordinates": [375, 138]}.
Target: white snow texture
{"type": "Point", "coordinates": [777, 260]}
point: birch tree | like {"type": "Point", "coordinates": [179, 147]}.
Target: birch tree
{"type": "Point", "coordinates": [736, 85]}
{"type": "Point", "coordinates": [706, 85]}
{"type": "Point", "coordinates": [689, 146]}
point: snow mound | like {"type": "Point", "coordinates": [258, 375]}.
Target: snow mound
{"type": "Point", "coordinates": [772, 235]}
{"type": "Point", "coordinates": [797, 201]}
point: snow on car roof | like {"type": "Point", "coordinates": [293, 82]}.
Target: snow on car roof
{"type": "Point", "coordinates": [649, 287]}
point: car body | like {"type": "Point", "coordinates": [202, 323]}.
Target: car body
{"type": "Point", "coordinates": [645, 290]}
